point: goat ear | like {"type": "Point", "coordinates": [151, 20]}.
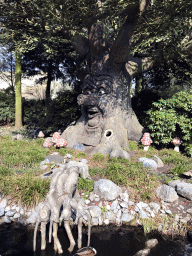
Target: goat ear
{"type": "Point", "coordinates": [81, 45]}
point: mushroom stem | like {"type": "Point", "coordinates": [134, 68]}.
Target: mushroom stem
{"type": "Point", "coordinates": [146, 148]}
{"type": "Point", "coordinates": [176, 148]}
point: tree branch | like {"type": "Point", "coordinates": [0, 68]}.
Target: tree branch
{"type": "Point", "coordinates": [120, 48]}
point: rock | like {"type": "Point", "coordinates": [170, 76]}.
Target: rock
{"type": "Point", "coordinates": [10, 213]}
{"type": "Point", "coordinates": [83, 161]}
{"type": "Point", "coordinates": [16, 216]}
{"type": "Point", "coordinates": [3, 203]}
{"type": "Point", "coordinates": [107, 189]}
{"type": "Point", "coordinates": [100, 221]}
{"type": "Point", "coordinates": [78, 146]}
{"type": "Point", "coordinates": [32, 218]}
{"type": "Point", "coordinates": [189, 211]}
{"type": "Point", "coordinates": [127, 217]}
{"type": "Point", "coordinates": [44, 167]}
{"type": "Point", "coordinates": [87, 201]}
{"type": "Point", "coordinates": [108, 207]}
{"type": "Point", "coordinates": [118, 214]}
{"type": "Point", "coordinates": [142, 159]}
{"type": "Point", "coordinates": [151, 164]}
{"type": "Point", "coordinates": [173, 183]}
{"type": "Point", "coordinates": [124, 205]}
{"type": "Point", "coordinates": [17, 137]}
{"type": "Point", "coordinates": [168, 212]}
{"type": "Point", "coordinates": [159, 162]}
{"type": "Point", "coordinates": [142, 205]}
{"type": "Point", "coordinates": [95, 211]}
{"type": "Point", "coordinates": [143, 252]}
{"type": "Point", "coordinates": [55, 158]}
{"type": "Point", "coordinates": [166, 193]}
{"type": "Point", "coordinates": [100, 204]}
{"type": "Point", "coordinates": [130, 203]}
{"type": "Point", "coordinates": [46, 161]}
{"type": "Point", "coordinates": [143, 214]}
{"type": "Point", "coordinates": [68, 156]}
{"type": "Point", "coordinates": [184, 189]}
{"type": "Point", "coordinates": [95, 221]}
{"type": "Point", "coordinates": [106, 221]}
{"type": "Point", "coordinates": [114, 205]}
{"type": "Point", "coordinates": [2, 211]}
{"type": "Point", "coordinates": [151, 243]}
{"type": "Point", "coordinates": [17, 208]}
{"type": "Point", "coordinates": [22, 212]}
{"type": "Point", "coordinates": [118, 221]}
{"type": "Point", "coordinates": [111, 216]}
{"type": "Point", "coordinates": [188, 174]}
{"type": "Point", "coordinates": [124, 196]}
{"type": "Point", "coordinates": [92, 196]}
{"type": "Point", "coordinates": [7, 208]}
{"type": "Point", "coordinates": [6, 219]}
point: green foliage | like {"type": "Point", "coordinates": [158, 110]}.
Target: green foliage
{"type": "Point", "coordinates": [98, 157]}
{"type": "Point", "coordinates": [7, 107]}
{"type": "Point", "coordinates": [180, 169]}
{"type": "Point", "coordinates": [172, 157]}
{"type": "Point", "coordinates": [81, 154]}
{"type": "Point", "coordinates": [133, 145]}
{"type": "Point", "coordinates": [84, 184]}
{"type": "Point", "coordinates": [171, 118]}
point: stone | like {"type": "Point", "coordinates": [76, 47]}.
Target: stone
{"type": "Point", "coordinates": [151, 243]}
{"type": "Point", "coordinates": [7, 208]}
{"type": "Point", "coordinates": [130, 203]}
{"type": "Point", "coordinates": [17, 208]}
{"type": "Point", "coordinates": [189, 211]}
{"type": "Point", "coordinates": [32, 218]}
{"type": "Point", "coordinates": [111, 216]}
{"type": "Point", "coordinates": [188, 174]}
{"type": "Point", "coordinates": [6, 219]}
{"type": "Point", "coordinates": [44, 167]}
{"type": "Point", "coordinates": [100, 221]}
{"type": "Point", "coordinates": [68, 156]}
{"type": "Point", "coordinates": [124, 196]}
{"type": "Point", "coordinates": [106, 222]}
{"type": "Point", "coordinates": [107, 189]}
{"type": "Point", "coordinates": [95, 221]}
{"type": "Point", "coordinates": [173, 183]}
{"type": "Point", "coordinates": [3, 203]}
{"type": "Point", "coordinates": [16, 216]}
{"type": "Point", "coordinates": [127, 217]}
{"type": "Point", "coordinates": [125, 210]}
{"type": "Point", "coordinates": [95, 211]}
{"type": "Point", "coordinates": [83, 161]}
{"type": "Point", "coordinates": [166, 193]}
{"type": "Point", "coordinates": [141, 205]}
{"type": "Point", "coordinates": [22, 212]}
{"type": "Point", "coordinates": [143, 214]}
{"type": "Point", "coordinates": [92, 196]}
{"type": "Point", "coordinates": [10, 213]}
{"type": "Point", "coordinates": [114, 205]}
{"type": "Point", "coordinates": [100, 204]}
{"type": "Point", "coordinates": [2, 211]}
{"type": "Point", "coordinates": [46, 161]}
{"type": "Point", "coordinates": [151, 164]}
{"type": "Point", "coordinates": [159, 162]}
{"type": "Point", "coordinates": [142, 159]}
{"type": "Point", "coordinates": [87, 201]}
{"type": "Point", "coordinates": [124, 204]}
{"type": "Point", "coordinates": [184, 189]}
{"type": "Point", "coordinates": [108, 207]}
{"type": "Point", "coordinates": [154, 206]}
{"type": "Point", "coordinates": [55, 159]}
{"type": "Point", "coordinates": [118, 214]}
{"type": "Point", "coordinates": [118, 221]}
{"type": "Point", "coordinates": [168, 212]}
{"type": "Point", "coordinates": [143, 252]}
{"type": "Point", "coordinates": [78, 146]}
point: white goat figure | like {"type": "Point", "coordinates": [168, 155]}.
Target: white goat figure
{"type": "Point", "coordinates": [63, 192]}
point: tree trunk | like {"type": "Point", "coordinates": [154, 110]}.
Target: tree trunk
{"type": "Point", "coordinates": [48, 93]}
{"type": "Point", "coordinates": [18, 95]}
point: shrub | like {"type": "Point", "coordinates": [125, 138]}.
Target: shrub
{"type": "Point", "coordinates": [171, 118]}
{"type": "Point", "coordinates": [7, 107]}
{"type": "Point", "coordinates": [84, 184]}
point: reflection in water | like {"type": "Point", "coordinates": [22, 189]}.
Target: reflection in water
{"type": "Point", "coordinates": [18, 240]}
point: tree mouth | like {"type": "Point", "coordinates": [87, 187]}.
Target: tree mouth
{"type": "Point", "coordinates": [93, 111]}
{"type": "Point", "coordinates": [94, 116]}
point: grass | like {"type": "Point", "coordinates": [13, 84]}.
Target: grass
{"type": "Point", "coordinates": [20, 170]}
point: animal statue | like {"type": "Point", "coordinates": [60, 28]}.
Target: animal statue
{"type": "Point", "coordinates": [63, 198]}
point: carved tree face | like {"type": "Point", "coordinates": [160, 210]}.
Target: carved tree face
{"type": "Point", "coordinates": [96, 99]}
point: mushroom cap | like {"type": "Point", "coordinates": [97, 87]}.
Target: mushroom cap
{"type": "Point", "coordinates": [41, 134]}
{"type": "Point", "coordinates": [176, 141]}
{"type": "Point", "coordinates": [56, 137]}
{"type": "Point", "coordinates": [46, 144]}
{"type": "Point", "coordinates": [61, 143]}
{"type": "Point", "coordinates": [146, 140]}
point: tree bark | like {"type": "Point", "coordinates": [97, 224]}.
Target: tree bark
{"type": "Point", "coordinates": [48, 93]}
{"type": "Point", "coordinates": [18, 95]}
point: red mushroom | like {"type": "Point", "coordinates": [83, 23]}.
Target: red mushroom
{"type": "Point", "coordinates": [61, 143]}
{"type": "Point", "coordinates": [41, 135]}
{"type": "Point", "coordinates": [46, 144]}
{"type": "Point", "coordinates": [176, 142]}
{"type": "Point", "coordinates": [146, 141]}
{"type": "Point", "coordinates": [56, 137]}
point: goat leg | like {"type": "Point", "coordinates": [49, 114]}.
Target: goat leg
{"type": "Point", "coordinates": [70, 236]}
{"type": "Point", "coordinates": [80, 233]}
{"type": "Point", "coordinates": [57, 245]}
{"type": "Point", "coordinates": [43, 235]}
{"type": "Point", "coordinates": [35, 236]}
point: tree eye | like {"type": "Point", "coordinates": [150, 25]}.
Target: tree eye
{"type": "Point", "coordinates": [101, 91]}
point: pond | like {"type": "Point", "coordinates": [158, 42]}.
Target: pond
{"type": "Point", "coordinates": [111, 240]}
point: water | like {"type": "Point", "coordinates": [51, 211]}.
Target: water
{"type": "Point", "coordinates": [17, 240]}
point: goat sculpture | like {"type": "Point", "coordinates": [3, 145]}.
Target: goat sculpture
{"type": "Point", "coordinates": [63, 196]}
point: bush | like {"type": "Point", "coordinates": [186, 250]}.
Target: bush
{"type": "Point", "coordinates": [7, 107]}
{"type": "Point", "coordinates": [171, 118]}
